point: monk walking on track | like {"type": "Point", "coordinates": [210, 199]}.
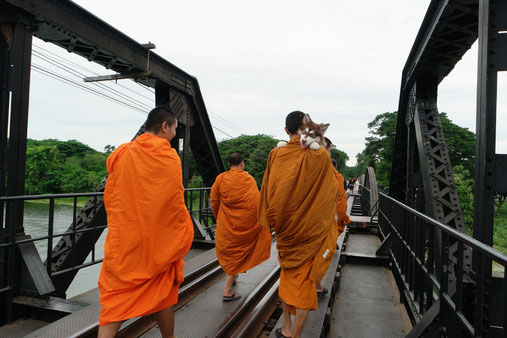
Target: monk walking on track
{"type": "Point", "coordinates": [298, 200]}
{"type": "Point", "coordinates": [341, 206]}
{"type": "Point", "coordinates": [241, 243]}
{"type": "Point", "coordinates": [150, 230]}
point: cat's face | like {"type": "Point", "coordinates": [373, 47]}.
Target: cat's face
{"type": "Point", "coordinates": [312, 133]}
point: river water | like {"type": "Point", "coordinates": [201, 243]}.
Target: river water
{"type": "Point", "coordinates": [36, 217]}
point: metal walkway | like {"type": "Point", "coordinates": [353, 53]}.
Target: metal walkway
{"type": "Point", "coordinates": [367, 303]}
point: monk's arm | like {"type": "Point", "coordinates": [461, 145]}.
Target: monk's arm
{"type": "Point", "coordinates": [341, 206]}
{"type": "Point", "coordinates": [215, 195]}
{"type": "Point", "coordinates": [263, 200]}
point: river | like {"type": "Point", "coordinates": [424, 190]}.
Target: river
{"type": "Point", "coordinates": [36, 225]}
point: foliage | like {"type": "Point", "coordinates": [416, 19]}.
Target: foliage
{"type": "Point", "coordinates": [379, 147]}
{"type": "Point", "coordinates": [500, 229]}
{"type": "Point", "coordinates": [54, 166]}
{"type": "Point", "coordinates": [255, 150]}
{"type": "Point", "coordinates": [341, 158]}
{"type": "Point", "coordinates": [499, 200]}
{"type": "Point", "coordinates": [465, 187]}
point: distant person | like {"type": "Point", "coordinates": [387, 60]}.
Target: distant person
{"type": "Point", "coordinates": [341, 206]}
{"type": "Point", "coordinates": [298, 200]}
{"type": "Point", "coordinates": [150, 230]}
{"type": "Point", "coordinates": [356, 186]}
{"type": "Point", "coordinates": [352, 181]}
{"type": "Point", "coordinates": [241, 243]}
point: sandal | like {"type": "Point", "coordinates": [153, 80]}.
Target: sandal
{"type": "Point", "coordinates": [323, 292]}
{"type": "Point", "coordinates": [234, 296]}
{"type": "Point", "coordinates": [279, 334]}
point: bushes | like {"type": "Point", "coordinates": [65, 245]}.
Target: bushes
{"type": "Point", "coordinates": [54, 167]}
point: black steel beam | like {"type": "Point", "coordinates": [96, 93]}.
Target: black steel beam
{"type": "Point", "coordinates": [484, 191]}
{"type": "Point", "coordinates": [448, 30]}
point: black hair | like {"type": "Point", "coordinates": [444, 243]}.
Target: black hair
{"type": "Point", "coordinates": [234, 159]}
{"type": "Point", "coordinates": [293, 121]}
{"type": "Point", "coordinates": [157, 116]}
{"type": "Point", "coordinates": [335, 164]}
{"type": "Point", "coordinates": [328, 142]}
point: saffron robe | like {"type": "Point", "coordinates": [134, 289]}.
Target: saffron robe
{"type": "Point", "coordinates": [241, 243]}
{"type": "Point", "coordinates": [149, 230]}
{"type": "Point", "coordinates": [341, 206]}
{"type": "Point", "coordinates": [298, 200]}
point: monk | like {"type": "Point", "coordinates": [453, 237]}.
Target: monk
{"type": "Point", "coordinates": [241, 243]}
{"type": "Point", "coordinates": [341, 206]}
{"type": "Point", "coordinates": [298, 200]}
{"type": "Point", "coordinates": [150, 230]}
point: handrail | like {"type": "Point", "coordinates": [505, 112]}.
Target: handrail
{"type": "Point", "coordinates": [196, 201]}
{"type": "Point", "coordinates": [498, 256]}
{"type": "Point", "coordinates": [430, 275]}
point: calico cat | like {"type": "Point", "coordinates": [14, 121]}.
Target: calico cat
{"type": "Point", "coordinates": [312, 134]}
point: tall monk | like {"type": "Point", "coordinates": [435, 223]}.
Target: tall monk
{"type": "Point", "coordinates": [341, 206]}
{"type": "Point", "coordinates": [298, 200]}
{"type": "Point", "coordinates": [150, 230]}
{"type": "Point", "coordinates": [241, 243]}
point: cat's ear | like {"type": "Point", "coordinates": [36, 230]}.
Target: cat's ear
{"type": "Point", "coordinates": [323, 128]}
{"type": "Point", "coordinates": [306, 119]}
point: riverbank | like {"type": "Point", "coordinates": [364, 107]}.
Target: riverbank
{"type": "Point", "coordinates": [81, 201]}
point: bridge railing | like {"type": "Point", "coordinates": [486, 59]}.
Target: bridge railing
{"type": "Point", "coordinates": [196, 199]}
{"type": "Point", "coordinates": [198, 204]}
{"type": "Point", "coordinates": [427, 279]}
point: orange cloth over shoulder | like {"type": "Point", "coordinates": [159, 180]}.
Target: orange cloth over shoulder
{"type": "Point", "coordinates": [341, 205]}
{"type": "Point", "coordinates": [298, 200]}
{"type": "Point", "coordinates": [149, 230]}
{"type": "Point", "coordinates": [241, 243]}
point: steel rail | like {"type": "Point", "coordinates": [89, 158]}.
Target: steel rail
{"type": "Point", "coordinates": [256, 301]}
{"type": "Point", "coordinates": [475, 244]}
{"type": "Point", "coordinates": [195, 280]}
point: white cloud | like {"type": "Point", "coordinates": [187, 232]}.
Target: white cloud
{"type": "Point", "coordinates": [340, 62]}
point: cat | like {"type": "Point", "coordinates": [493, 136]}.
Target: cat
{"type": "Point", "coordinates": [312, 134]}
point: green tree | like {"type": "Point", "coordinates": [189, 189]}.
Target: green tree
{"type": "Point", "coordinates": [54, 166]}
{"type": "Point", "coordinates": [340, 157]}
{"type": "Point", "coordinates": [42, 167]}
{"type": "Point", "coordinates": [465, 187]}
{"type": "Point", "coordinates": [378, 151]}
{"type": "Point", "coordinates": [379, 147]}
{"type": "Point", "coordinates": [255, 150]}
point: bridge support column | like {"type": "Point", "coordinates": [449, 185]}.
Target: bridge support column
{"type": "Point", "coordinates": [15, 62]}
{"type": "Point", "coordinates": [492, 55]}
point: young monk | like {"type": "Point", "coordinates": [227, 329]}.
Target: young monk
{"type": "Point", "coordinates": [150, 230]}
{"type": "Point", "coordinates": [341, 206]}
{"type": "Point", "coordinates": [298, 200]}
{"type": "Point", "coordinates": [241, 243]}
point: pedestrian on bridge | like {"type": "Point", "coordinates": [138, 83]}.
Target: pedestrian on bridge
{"type": "Point", "coordinates": [298, 201]}
{"type": "Point", "coordinates": [240, 242]}
{"type": "Point", "coordinates": [150, 230]}
{"type": "Point", "coordinates": [341, 206]}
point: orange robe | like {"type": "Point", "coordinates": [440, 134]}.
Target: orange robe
{"type": "Point", "coordinates": [241, 243]}
{"type": "Point", "coordinates": [149, 230]}
{"type": "Point", "coordinates": [341, 205]}
{"type": "Point", "coordinates": [298, 200]}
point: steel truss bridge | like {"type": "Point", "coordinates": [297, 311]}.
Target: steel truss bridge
{"type": "Point", "coordinates": [444, 277]}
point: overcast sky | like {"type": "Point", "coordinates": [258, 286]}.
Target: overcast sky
{"type": "Point", "coordinates": [339, 61]}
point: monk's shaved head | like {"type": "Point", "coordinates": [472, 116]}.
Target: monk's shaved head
{"type": "Point", "coordinates": [235, 159]}
{"type": "Point", "coordinates": [328, 142]}
{"type": "Point", "coordinates": [159, 115]}
{"type": "Point", "coordinates": [293, 121]}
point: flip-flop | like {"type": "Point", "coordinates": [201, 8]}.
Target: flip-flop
{"type": "Point", "coordinates": [323, 292]}
{"type": "Point", "coordinates": [279, 334]}
{"type": "Point", "coordinates": [234, 296]}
